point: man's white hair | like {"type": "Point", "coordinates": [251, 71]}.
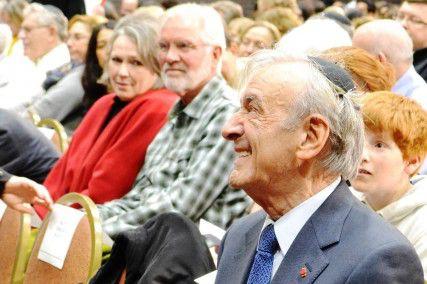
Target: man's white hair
{"type": "Point", "coordinates": [321, 96]}
{"type": "Point", "coordinates": [387, 37]}
{"type": "Point", "coordinates": [207, 19]}
{"type": "Point", "coordinates": [48, 15]}
{"type": "Point", "coordinates": [314, 37]}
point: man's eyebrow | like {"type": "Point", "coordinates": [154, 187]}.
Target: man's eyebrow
{"type": "Point", "coordinates": [252, 98]}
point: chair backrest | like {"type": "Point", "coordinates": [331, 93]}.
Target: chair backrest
{"type": "Point", "coordinates": [15, 231]}
{"type": "Point", "coordinates": [84, 255]}
{"type": "Point", "coordinates": [60, 138]}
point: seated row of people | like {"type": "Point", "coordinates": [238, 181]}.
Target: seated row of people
{"type": "Point", "coordinates": [183, 163]}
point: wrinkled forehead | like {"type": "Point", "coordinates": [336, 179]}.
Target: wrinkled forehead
{"type": "Point", "coordinates": [278, 75]}
{"type": "Point", "coordinates": [277, 82]}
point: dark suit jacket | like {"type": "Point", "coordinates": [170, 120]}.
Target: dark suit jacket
{"type": "Point", "coordinates": [342, 242]}
{"type": "Point", "coordinates": [420, 62]}
{"type": "Point", "coordinates": [168, 248]}
{"type": "Point", "coordinates": [24, 150]}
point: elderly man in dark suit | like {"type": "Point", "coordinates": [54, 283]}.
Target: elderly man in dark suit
{"type": "Point", "coordinates": [298, 138]}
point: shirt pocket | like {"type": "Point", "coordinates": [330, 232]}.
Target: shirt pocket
{"type": "Point", "coordinates": [175, 164]}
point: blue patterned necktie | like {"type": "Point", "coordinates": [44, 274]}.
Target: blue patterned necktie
{"type": "Point", "coordinates": [263, 262]}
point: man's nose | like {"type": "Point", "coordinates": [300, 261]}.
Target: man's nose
{"type": "Point", "coordinates": [172, 55]}
{"type": "Point", "coordinates": [233, 128]}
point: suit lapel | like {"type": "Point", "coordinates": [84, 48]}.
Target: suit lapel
{"type": "Point", "coordinates": [306, 259]}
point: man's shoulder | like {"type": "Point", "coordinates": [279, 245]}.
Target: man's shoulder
{"type": "Point", "coordinates": [362, 225]}
{"type": "Point", "coordinates": [11, 122]}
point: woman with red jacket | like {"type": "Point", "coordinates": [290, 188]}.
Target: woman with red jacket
{"type": "Point", "coordinates": [109, 146]}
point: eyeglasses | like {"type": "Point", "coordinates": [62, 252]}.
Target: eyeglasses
{"type": "Point", "coordinates": [410, 19]}
{"type": "Point", "coordinates": [181, 46]}
{"type": "Point", "coordinates": [257, 44]}
{"type": "Point", "coordinates": [30, 29]}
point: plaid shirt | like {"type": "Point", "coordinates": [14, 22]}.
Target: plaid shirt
{"type": "Point", "coordinates": [186, 168]}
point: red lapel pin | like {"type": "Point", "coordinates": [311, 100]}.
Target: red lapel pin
{"type": "Point", "coordinates": [303, 272]}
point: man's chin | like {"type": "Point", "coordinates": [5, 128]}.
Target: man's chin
{"type": "Point", "coordinates": [237, 180]}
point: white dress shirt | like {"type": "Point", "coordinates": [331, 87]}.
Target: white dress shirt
{"type": "Point", "coordinates": [54, 59]}
{"type": "Point", "coordinates": [289, 225]}
{"type": "Point", "coordinates": [412, 85]}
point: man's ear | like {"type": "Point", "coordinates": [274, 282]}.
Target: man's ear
{"type": "Point", "coordinates": [412, 165]}
{"type": "Point", "coordinates": [52, 31]}
{"type": "Point", "coordinates": [217, 52]}
{"type": "Point", "coordinates": [314, 137]}
{"type": "Point", "coordinates": [382, 58]}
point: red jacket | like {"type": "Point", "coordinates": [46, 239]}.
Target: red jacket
{"type": "Point", "coordinates": [104, 165]}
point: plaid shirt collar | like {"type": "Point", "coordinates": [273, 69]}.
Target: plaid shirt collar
{"type": "Point", "coordinates": [196, 108]}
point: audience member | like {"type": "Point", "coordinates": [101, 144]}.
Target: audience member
{"type": "Point", "coordinates": [43, 33]}
{"type": "Point", "coordinates": [186, 166]}
{"type": "Point", "coordinates": [314, 36]}
{"type": "Point", "coordinates": [107, 10]}
{"type": "Point", "coordinates": [14, 70]}
{"type": "Point", "coordinates": [386, 10]}
{"type": "Point", "coordinates": [389, 42]}
{"type": "Point", "coordinates": [412, 14]}
{"type": "Point", "coordinates": [368, 73]}
{"type": "Point", "coordinates": [63, 101]}
{"type": "Point", "coordinates": [298, 139]}
{"type": "Point", "coordinates": [228, 10]}
{"type": "Point", "coordinates": [79, 31]}
{"type": "Point", "coordinates": [19, 192]}
{"type": "Point", "coordinates": [395, 146]}
{"type": "Point", "coordinates": [259, 36]}
{"type": "Point", "coordinates": [341, 20]}
{"type": "Point", "coordinates": [12, 13]}
{"type": "Point", "coordinates": [235, 30]}
{"type": "Point", "coordinates": [95, 61]}
{"type": "Point", "coordinates": [310, 7]}
{"type": "Point", "coordinates": [283, 18]}
{"type": "Point", "coordinates": [128, 7]}
{"type": "Point", "coordinates": [24, 150]}
{"type": "Point", "coordinates": [150, 11]}
{"type": "Point", "coordinates": [109, 146]}
{"type": "Point", "coordinates": [264, 5]}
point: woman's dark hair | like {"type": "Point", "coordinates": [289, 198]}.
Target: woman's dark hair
{"type": "Point", "coordinates": [93, 90]}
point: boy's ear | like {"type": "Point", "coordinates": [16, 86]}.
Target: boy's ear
{"type": "Point", "coordinates": [413, 164]}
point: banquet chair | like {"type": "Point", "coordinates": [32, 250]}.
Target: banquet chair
{"type": "Point", "coordinates": [15, 230]}
{"type": "Point", "coordinates": [84, 255]}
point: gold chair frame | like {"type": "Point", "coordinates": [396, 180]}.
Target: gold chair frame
{"type": "Point", "coordinates": [95, 223]}
{"type": "Point", "coordinates": [35, 118]}
{"type": "Point", "coordinates": [59, 129]}
{"type": "Point", "coordinates": [92, 214]}
{"type": "Point", "coordinates": [23, 249]}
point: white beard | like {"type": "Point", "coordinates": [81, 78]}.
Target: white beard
{"type": "Point", "coordinates": [187, 81]}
